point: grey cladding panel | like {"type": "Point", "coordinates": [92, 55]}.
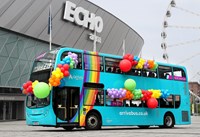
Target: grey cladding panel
{"type": "Point", "coordinates": [29, 16]}
{"type": "Point", "coordinates": [13, 11]}
{"type": "Point", "coordinates": [41, 21]}
{"type": "Point", "coordinates": [5, 4]}
{"type": "Point", "coordinates": [84, 41]}
{"type": "Point", "coordinates": [77, 31]}
{"type": "Point", "coordinates": [62, 32]}
{"type": "Point", "coordinates": [131, 42]}
{"type": "Point", "coordinates": [89, 44]}
{"type": "Point", "coordinates": [109, 22]}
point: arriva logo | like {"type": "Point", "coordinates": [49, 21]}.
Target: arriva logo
{"type": "Point", "coordinates": [74, 77]}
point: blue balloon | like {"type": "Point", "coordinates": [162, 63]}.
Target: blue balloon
{"type": "Point", "coordinates": [62, 62]}
{"type": "Point", "coordinates": [62, 83]}
{"type": "Point", "coordinates": [165, 94]}
{"type": "Point", "coordinates": [136, 58]}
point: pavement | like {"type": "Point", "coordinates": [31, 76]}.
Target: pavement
{"type": "Point", "coordinates": [20, 129]}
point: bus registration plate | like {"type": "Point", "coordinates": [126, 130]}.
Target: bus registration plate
{"type": "Point", "coordinates": [35, 123]}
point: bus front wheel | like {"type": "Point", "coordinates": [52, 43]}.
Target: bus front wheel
{"type": "Point", "coordinates": [93, 121]}
{"type": "Point", "coordinates": [168, 121]}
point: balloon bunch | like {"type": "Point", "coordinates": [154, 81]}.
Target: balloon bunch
{"type": "Point", "coordinates": [164, 94]}
{"type": "Point", "coordinates": [129, 96]}
{"type": "Point", "coordinates": [71, 60]}
{"type": "Point", "coordinates": [41, 89]}
{"type": "Point", "coordinates": [146, 95]}
{"type": "Point", "coordinates": [55, 78]}
{"type": "Point", "coordinates": [64, 69]}
{"type": "Point", "coordinates": [130, 93]}
{"type": "Point", "coordinates": [155, 93]}
{"type": "Point", "coordinates": [140, 64]}
{"type": "Point", "coordinates": [137, 94]}
{"type": "Point", "coordinates": [129, 61]}
{"type": "Point", "coordinates": [115, 93]}
{"type": "Point", "coordinates": [27, 88]}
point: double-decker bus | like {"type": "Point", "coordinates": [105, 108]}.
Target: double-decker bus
{"type": "Point", "coordinates": [83, 100]}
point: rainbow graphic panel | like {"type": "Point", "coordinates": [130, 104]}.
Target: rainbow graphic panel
{"type": "Point", "coordinates": [91, 74]}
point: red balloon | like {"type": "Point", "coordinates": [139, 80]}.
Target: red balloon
{"type": "Point", "coordinates": [29, 83]}
{"type": "Point", "coordinates": [125, 65]}
{"type": "Point", "coordinates": [62, 69]}
{"type": "Point", "coordinates": [152, 103]}
{"type": "Point", "coordinates": [25, 86]}
{"type": "Point", "coordinates": [128, 57]}
{"type": "Point", "coordinates": [66, 73]}
{"type": "Point", "coordinates": [30, 89]}
{"type": "Point", "coordinates": [59, 65]}
{"type": "Point", "coordinates": [66, 67]}
{"type": "Point", "coordinates": [134, 63]}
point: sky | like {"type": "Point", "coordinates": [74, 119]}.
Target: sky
{"type": "Point", "coordinates": [147, 16]}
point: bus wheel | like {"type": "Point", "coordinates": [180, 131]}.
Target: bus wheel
{"type": "Point", "coordinates": [68, 128]}
{"type": "Point", "coordinates": [93, 121]}
{"type": "Point", "coordinates": [143, 127]}
{"type": "Point", "coordinates": [168, 120]}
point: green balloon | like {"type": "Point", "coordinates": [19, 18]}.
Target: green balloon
{"type": "Point", "coordinates": [155, 66]}
{"type": "Point", "coordinates": [130, 84]}
{"type": "Point", "coordinates": [41, 90]}
{"type": "Point", "coordinates": [71, 66]}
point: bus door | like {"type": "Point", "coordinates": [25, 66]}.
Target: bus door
{"type": "Point", "coordinates": [67, 105]}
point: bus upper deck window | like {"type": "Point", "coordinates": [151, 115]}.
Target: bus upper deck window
{"type": "Point", "coordinates": [165, 72]}
{"type": "Point", "coordinates": [179, 74]}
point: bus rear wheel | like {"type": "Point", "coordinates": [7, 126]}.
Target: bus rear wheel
{"type": "Point", "coordinates": [93, 121]}
{"type": "Point", "coordinates": [168, 121]}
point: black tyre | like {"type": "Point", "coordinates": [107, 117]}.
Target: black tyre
{"type": "Point", "coordinates": [168, 121]}
{"type": "Point", "coordinates": [93, 121]}
{"type": "Point", "coordinates": [68, 128]}
{"type": "Point", "coordinates": [143, 127]}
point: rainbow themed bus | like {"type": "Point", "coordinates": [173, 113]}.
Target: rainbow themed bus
{"type": "Point", "coordinates": [73, 88]}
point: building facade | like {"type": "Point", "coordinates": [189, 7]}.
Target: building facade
{"type": "Point", "coordinates": [75, 23]}
{"type": "Point", "coordinates": [195, 88]}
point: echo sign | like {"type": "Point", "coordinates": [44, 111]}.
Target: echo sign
{"type": "Point", "coordinates": [82, 17]}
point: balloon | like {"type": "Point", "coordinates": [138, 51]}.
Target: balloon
{"type": "Point", "coordinates": [66, 67]}
{"type": "Point", "coordinates": [41, 90]}
{"type": "Point", "coordinates": [125, 65]}
{"type": "Point", "coordinates": [155, 66]}
{"type": "Point", "coordinates": [25, 86]}
{"type": "Point", "coordinates": [152, 103]}
{"type": "Point", "coordinates": [59, 65]}
{"type": "Point", "coordinates": [134, 63]}
{"type": "Point", "coordinates": [128, 57]}
{"type": "Point", "coordinates": [66, 73]}
{"type": "Point", "coordinates": [164, 94]}
{"type": "Point", "coordinates": [137, 94]}
{"type": "Point", "coordinates": [115, 93]}
{"type": "Point", "coordinates": [130, 84]}
{"type": "Point", "coordinates": [29, 83]}
{"type": "Point", "coordinates": [146, 95]}
{"type": "Point", "coordinates": [155, 93]}
{"type": "Point", "coordinates": [71, 65]}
